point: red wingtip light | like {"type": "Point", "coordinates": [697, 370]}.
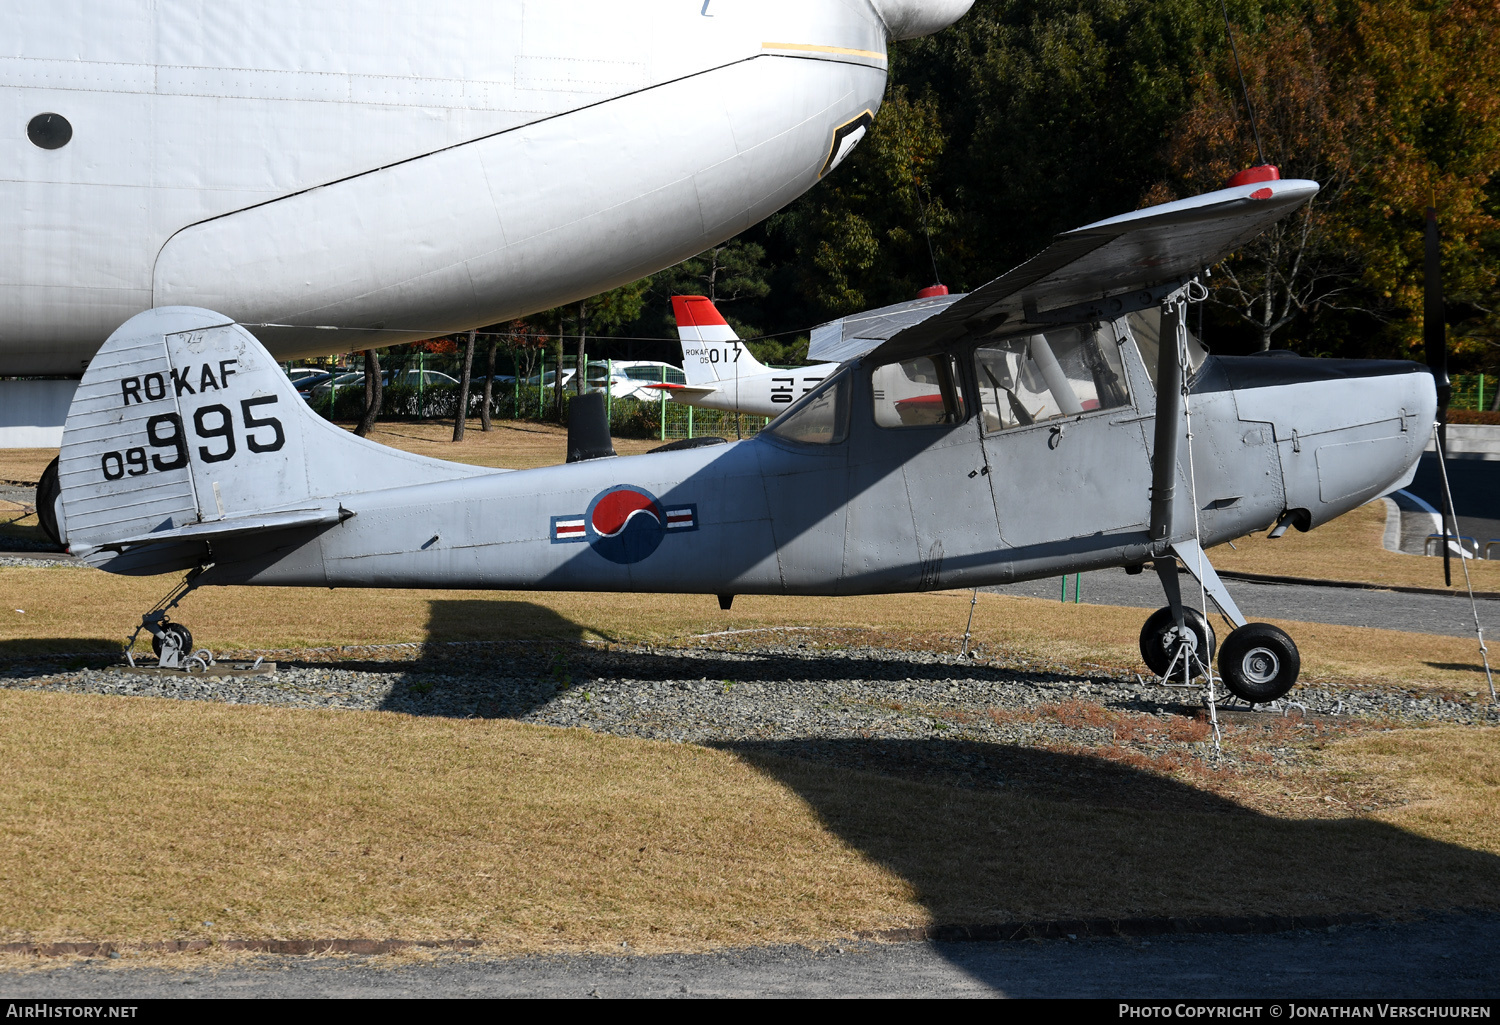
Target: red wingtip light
{"type": "Point", "coordinates": [1258, 173]}
{"type": "Point", "coordinates": [932, 291]}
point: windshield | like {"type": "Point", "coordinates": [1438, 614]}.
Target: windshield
{"type": "Point", "coordinates": [1145, 328]}
{"type": "Point", "coordinates": [821, 418]}
{"type": "Point", "coordinates": [1063, 372]}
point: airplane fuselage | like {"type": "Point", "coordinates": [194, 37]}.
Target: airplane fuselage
{"type": "Point", "coordinates": [367, 173]}
{"type": "Point", "coordinates": [880, 508]}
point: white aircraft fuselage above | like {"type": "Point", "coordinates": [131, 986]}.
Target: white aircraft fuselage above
{"type": "Point", "coordinates": [372, 172]}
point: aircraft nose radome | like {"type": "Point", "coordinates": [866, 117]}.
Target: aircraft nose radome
{"type": "Point", "coordinates": [908, 19]}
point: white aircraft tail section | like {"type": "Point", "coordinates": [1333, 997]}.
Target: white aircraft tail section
{"type": "Point", "coordinates": [184, 429]}
{"type": "Point", "coordinates": [711, 351]}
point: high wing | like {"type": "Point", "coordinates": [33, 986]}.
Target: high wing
{"type": "Point", "coordinates": [1100, 271]}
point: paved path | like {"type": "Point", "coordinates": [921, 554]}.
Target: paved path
{"type": "Point", "coordinates": [1450, 956]}
{"type": "Point", "coordinates": [1476, 494]}
{"type": "Point", "coordinates": [1347, 606]}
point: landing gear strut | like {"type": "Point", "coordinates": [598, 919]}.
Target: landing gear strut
{"type": "Point", "coordinates": [1258, 662]}
{"type": "Point", "coordinates": [172, 642]}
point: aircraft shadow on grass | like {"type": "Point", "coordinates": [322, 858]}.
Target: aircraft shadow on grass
{"type": "Point", "coordinates": [988, 833]}
{"type": "Point", "coordinates": [1459, 667]}
{"type": "Point", "coordinates": [1073, 843]}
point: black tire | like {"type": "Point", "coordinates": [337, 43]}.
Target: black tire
{"type": "Point", "coordinates": [47, 490]}
{"type": "Point", "coordinates": [1259, 663]}
{"type": "Point", "coordinates": [1156, 641]}
{"type": "Point", "coordinates": [183, 635]}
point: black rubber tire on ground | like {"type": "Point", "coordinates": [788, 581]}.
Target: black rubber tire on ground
{"type": "Point", "coordinates": [47, 490]}
{"type": "Point", "coordinates": [1155, 646]}
{"type": "Point", "coordinates": [1259, 663]}
{"type": "Point", "coordinates": [183, 635]}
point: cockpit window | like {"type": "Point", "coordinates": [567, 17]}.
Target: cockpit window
{"type": "Point", "coordinates": [918, 392]}
{"type": "Point", "coordinates": [1145, 328]}
{"type": "Point", "coordinates": [1065, 372]}
{"type": "Point", "coordinates": [821, 418]}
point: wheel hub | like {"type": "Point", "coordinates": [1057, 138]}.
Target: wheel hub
{"type": "Point", "coordinates": [1260, 665]}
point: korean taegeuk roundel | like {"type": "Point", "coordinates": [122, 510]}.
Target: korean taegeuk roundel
{"type": "Point", "coordinates": [625, 524]}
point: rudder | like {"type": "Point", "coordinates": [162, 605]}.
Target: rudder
{"type": "Point", "coordinates": [711, 351]}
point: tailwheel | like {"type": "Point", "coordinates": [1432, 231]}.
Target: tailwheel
{"type": "Point", "coordinates": [1161, 640]}
{"type": "Point", "coordinates": [1259, 663]}
{"type": "Point", "coordinates": [179, 633]}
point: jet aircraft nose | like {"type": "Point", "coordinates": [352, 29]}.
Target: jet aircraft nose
{"type": "Point", "coordinates": [908, 19]}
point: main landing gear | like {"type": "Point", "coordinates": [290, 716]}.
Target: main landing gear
{"type": "Point", "coordinates": [1258, 662]}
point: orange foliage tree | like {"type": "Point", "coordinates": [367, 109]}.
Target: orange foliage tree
{"type": "Point", "coordinates": [1384, 104]}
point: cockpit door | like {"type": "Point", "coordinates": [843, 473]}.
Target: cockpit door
{"type": "Point", "coordinates": [1063, 436]}
{"type": "Point", "coordinates": [920, 509]}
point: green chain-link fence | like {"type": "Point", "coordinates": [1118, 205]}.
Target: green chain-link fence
{"type": "Point", "coordinates": [1473, 391]}
{"type": "Point", "coordinates": [533, 398]}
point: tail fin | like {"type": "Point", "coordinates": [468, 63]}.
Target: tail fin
{"type": "Point", "coordinates": [184, 430]}
{"type": "Point", "coordinates": [711, 351]}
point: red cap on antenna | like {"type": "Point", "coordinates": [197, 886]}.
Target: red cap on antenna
{"type": "Point", "coordinates": [1251, 175]}
{"type": "Point", "coordinates": [931, 291]}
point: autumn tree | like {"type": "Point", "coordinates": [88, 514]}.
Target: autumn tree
{"type": "Point", "coordinates": [1384, 105]}
{"type": "Point", "coordinates": [861, 238]}
{"type": "Point", "coordinates": [1310, 123]}
{"type": "Point", "coordinates": [1435, 73]}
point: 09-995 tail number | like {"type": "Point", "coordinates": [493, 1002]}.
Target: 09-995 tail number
{"type": "Point", "coordinates": [213, 424]}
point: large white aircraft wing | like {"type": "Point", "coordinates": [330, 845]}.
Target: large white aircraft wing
{"type": "Point", "coordinates": [1100, 271]}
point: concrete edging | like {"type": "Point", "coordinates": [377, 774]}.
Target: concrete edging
{"type": "Point", "coordinates": [1266, 578]}
{"type": "Point", "coordinates": [1064, 929]}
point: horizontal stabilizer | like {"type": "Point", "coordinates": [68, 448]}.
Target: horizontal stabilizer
{"type": "Point", "coordinates": [686, 391]}
{"type": "Point", "coordinates": [1098, 272]}
{"type": "Point", "coordinates": [237, 526]}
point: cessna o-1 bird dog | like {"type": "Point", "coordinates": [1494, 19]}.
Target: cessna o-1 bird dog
{"type": "Point", "coordinates": [1065, 421]}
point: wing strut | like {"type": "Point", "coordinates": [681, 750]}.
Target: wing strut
{"type": "Point", "coordinates": [1168, 417]}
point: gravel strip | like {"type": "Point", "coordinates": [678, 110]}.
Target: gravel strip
{"type": "Point", "coordinates": [867, 707]}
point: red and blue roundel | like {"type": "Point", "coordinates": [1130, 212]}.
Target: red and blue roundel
{"type": "Point", "coordinates": [625, 524]}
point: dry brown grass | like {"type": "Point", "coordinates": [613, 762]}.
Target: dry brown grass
{"type": "Point", "coordinates": [137, 820]}
{"type": "Point", "coordinates": [147, 819]}
{"type": "Point", "coordinates": [1450, 777]}
{"type": "Point", "coordinates": [513, 444]}
{"type": "Point", "coordinates": [25, 464]}
{"type": "Point", "coordinates": [17, 520]}
{"type": "Point", "coordinates": [1348, 548]}
{"type": "Point", "coordinates": [69, 609]}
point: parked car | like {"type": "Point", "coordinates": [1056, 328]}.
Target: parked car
{"type": "Point", "coordinates": [631, 379]}
{"type": "Point", "coordinates": [300, 374]}
{"type": "Point", "coordinates": [626, 379]}
{"type": "Point", "coordinates": [314, 390]}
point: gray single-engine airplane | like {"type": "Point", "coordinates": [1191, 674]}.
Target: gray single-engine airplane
{"type": "Point", "coordinates": [1058, 419]}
